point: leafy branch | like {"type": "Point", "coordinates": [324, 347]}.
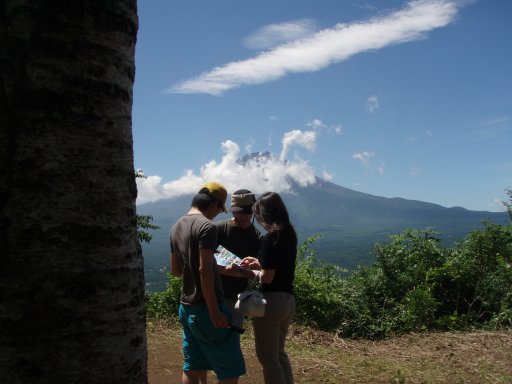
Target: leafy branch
{"type": "Point", "coordinates": [144, 222]}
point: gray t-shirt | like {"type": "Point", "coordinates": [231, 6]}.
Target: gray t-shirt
{"type": "Point", "coordinates": [191, 233]}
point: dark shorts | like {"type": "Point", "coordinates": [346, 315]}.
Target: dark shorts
{"type": "Point", "coordinates": [208, 348]}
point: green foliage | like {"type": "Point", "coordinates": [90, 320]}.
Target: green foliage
{"type": "Point", "coordinates": [317, 289]}
{"type": "Point", "coordinates": [408, 260]}
{"type": "Point", "coordinates": [508, 204]}
{"type": "Point", "coordinates": [144, 221]}
{"type": "Point", "coordinates": [395, 294]}
{"type": "Point", "coordinates": [417, 310]}
{"type": "Point", "coordinates": [143, 225]}
{"type": "Point", "coordinates": [416, 285]}
{"type": "Point", "coordinates": [475, 284]}
{"type": "Point", "coordinates": [165, 304]}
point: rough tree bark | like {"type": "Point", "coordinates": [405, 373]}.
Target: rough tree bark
{"type": "Point", "coordinates": [71, 269]}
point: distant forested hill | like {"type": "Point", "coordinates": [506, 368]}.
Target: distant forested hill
{"type": "Point", "coordinates": [350, 222]}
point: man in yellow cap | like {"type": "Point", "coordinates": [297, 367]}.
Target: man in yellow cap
{"type": "Point", "coordinates": [208, 341]}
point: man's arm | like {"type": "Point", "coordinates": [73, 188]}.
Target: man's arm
{"type": "Point", "coordinates": [176, 265]}
{"type": "Point", "coordinates": [265, 276]}
{"type": "Point", "coordinates": [227, 272]}
{"type": "Point", "coordinates": [206, 268]}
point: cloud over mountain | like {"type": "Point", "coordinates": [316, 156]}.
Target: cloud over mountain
{"type": "Point", "coordinates": [259, 172]}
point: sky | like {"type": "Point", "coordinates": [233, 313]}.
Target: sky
{"type": "Point", "coordinates": [409, 99]}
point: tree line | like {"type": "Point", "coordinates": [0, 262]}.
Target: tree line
{"type": "Point", "coordinates": [415, 284]}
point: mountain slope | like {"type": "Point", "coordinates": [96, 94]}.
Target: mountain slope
{"type": "Point", "coordinates": [350, 222]}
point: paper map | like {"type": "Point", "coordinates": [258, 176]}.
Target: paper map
{"type": "Point", "coordinates": [224, 257]}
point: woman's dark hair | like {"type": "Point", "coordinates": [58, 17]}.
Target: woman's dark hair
{"type": "Point", "coordinates": [272, 214]}
{"type": "Point", "coordinates": [203, 200]}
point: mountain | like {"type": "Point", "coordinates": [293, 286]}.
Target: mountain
{"type": "Point", "coordinates": [350, 222]}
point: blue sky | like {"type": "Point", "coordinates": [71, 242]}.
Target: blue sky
{"type": "Point", "coordinates": [392, 98]}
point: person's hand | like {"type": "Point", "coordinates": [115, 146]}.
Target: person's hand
{"type": "Point", "coordinates": [233, 267]}
{"type": "Point", "coordinates": [236, 270]}
{"type": "Point", "coordinates": [218, 319]}
{"type": "Point", "coordinates": [250, 262]}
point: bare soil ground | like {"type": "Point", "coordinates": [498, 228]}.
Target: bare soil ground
{"type": "Point", "coordinates": [318, 357]}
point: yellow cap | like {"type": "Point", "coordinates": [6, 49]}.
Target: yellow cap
{"type": "Point", "coordinates": [217, 191]}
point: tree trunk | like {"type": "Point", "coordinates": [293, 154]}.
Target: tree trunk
{"type": "Point", "coordinates": [71, 268]}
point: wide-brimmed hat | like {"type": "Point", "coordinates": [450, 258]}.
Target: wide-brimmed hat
{"type": "Point", "coordinates": [217, 191]}
{"type": "Point", "coordinates": [242, 201]}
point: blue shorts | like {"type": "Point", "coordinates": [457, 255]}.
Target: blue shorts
{"type": "Point", "coordinates": [208, 348]}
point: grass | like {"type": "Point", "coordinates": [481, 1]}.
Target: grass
{"type": "Point", "coordinates": [320, 357]}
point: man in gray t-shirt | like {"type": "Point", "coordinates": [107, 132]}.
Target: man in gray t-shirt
{"type": "Point", "coordinates": [193, 234]}
{"type": "Point", "coordinates": [208, 342]}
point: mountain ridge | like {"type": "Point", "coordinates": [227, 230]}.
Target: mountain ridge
{"type": "Point", "coordinates": [350, 223]}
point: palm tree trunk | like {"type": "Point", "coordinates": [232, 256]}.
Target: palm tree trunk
{"type": "Point", "coordinates": [71, 269]}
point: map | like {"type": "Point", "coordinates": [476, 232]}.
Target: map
{"type": "Point", "coordinates": [224, 257]}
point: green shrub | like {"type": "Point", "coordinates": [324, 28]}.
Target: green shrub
{"type": "Point", "coordinates": [165, 304]}
{"type": "Point", "coordinates": [318, 289]}
{"type": "Point", "coordinates": [476, 281]}
{"type": "Point", "coordinates": [418, 309]}
{"type": "Point", "coordinates": [414, 285]}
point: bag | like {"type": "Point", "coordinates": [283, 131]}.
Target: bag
{"type": "Point", "coordinates": [251, 303]}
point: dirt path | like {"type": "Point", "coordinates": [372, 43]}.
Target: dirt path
{"type": "Point", "coordinates": [165, 359]}
{"type": "Point", "coordinates": [478, 357]}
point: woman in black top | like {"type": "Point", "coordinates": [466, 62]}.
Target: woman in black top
{"type": "Point", "coordinates": [277, 258]}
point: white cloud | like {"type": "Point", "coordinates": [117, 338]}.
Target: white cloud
{"type": "Point", "coordinates": [327, 176]}
{"type": "Point", "coordinates": [319, 126]}
{"type": "Point", "coordinates": [372, 104]}
{"type": "Point", "coordinates": [259, 174]}
{"type": "Point", "coordinates": [152, 189]}
{"type": "Point", "coordinates": [316, 124]}
{"type": "Point", "coordinates": [326, 47]}
{"type": "Point", "coordinates": [248, 146]}
{"type": "Point", "coordinates": [364, 157]}
{"type": "Point", "coordinates": [306, 139]}
{"type": "Point", "coordinates": [275, 34]}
